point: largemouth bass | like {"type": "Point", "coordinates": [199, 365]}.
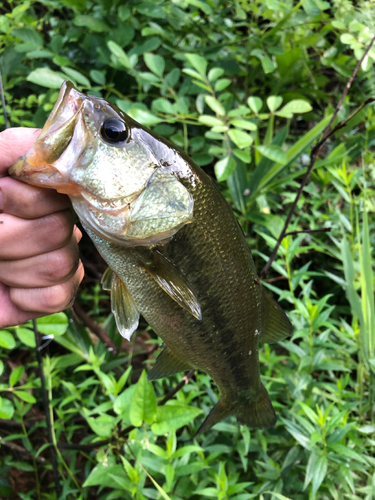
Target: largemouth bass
{"type": "Point", "coordinates": [175, 251]}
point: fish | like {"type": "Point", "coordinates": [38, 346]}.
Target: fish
{"type": "Point", "coordinates": [175, 250]}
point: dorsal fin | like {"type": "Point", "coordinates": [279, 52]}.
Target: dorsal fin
{"type": "Point", "coordinates": [167, 363]}
{"type": "Point", "coordinates": [173, 283]}
{"type": "Point", "coordinates": [276, 323]}
{"type": "Point", "coordinates": [122, 304]}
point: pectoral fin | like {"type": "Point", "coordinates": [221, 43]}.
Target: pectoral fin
{"type": "Point", "coordinates": [167, 364]}
{"type": "Point", "coordinates": [276, 323]}
{"type": "Point", "coordinates": [173, 283]}
{"type": "Point", "coordinates": [122, 304]}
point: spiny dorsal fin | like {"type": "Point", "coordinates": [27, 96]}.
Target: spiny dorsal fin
{"type": "Point", "coordinates": [276, 323]}
{"type": "Point", "coordinates": [122, 304]}
{"type": "Point", "coordinates": [173, 283]}
{"type": "Point", "coordinates": [167, 364]}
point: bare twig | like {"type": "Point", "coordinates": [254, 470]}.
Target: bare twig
{"type": "Point", "coordinates": [46, 410]}
{"type": "Point", "coordinates": [6, 125]}
{"type": "Point", "coordinates": [309, 231]}
{"type": "Point", "coordinates": [171, 393]}
{"type": "Point", "coordinates": [19, 449]}
{"type": "Point", "coordinates": [316, 150]}
{"type": "Point", "coordinates": [95, 328]}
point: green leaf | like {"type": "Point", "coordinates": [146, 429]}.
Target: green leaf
{"type": "Point", "coordinates": [255, 104]}
{"type": "Point", "coordinates": [210, 121]}
{"type": "Point", "coordinates": [76, 76]}
{"type": "Point", "coordinates": [6, 409]}
{"type": "Point", "coordinates": [54, 324]}
{"type": "Point", "coordinates": [224, 168]}
{"type": "Point", "coordinates": [100, 475]}
{"type": "Point", "coordinates": [25, 396]}
{"type": "Point", "coordinates": [91, 22]}
{"type": "Point", "coordinates": [215, 105]}
{"type": "Point", "coordinates": [222, 84]}
{"type": "Point", "coordinates": [215, 73]}
{"type": "Point", "coordinates": [155, 63]}
{"type": "Point", "coordinates": [29, 36]}
{"type": "Point", "coordinates": [198, 62]}
{"type": "Point", "coordinates": [26, 336]}
{"type": "Point", "coordinates": [102, 426]}
{"type": "Point", "coordinates": [121, 405]}
{"type": "Point", "coordinates": [279, 496]}
{"type": "Point", "coordinates": [143, 116]}
{"type": "Point", "coordinates": [240, 138]}
{"type": "Point", "coordinates": [169, 418]}
{"type": "Point", "coordinates": [150, 10]}
{"type": "Point", "coordinates": [120, 54]}
{"type": "Point", "coordinates": [274, 153]}
{"type": "Point", "coordinates": [320, 470]}
{"type": "Point", "coordinates": [310, 469]}
{"type": "Point", "coordinates": [97, 76]}
{"type": "Point", "coordinates": [185, 450]}
{"type": "Point", "coordinates": [245, 124]}
{"type": "Point", "coordinates": [264, 173]}
{"type": "Point", "coordinates": [7, 340]}
{"type": "Point", "coordinates": [143, 403]}
{"type": "Point", "coordinates": [344, 451]}
{"type": "Point", "coordinates": [1, 367]}
{"type": "Point", "coordinates": [164, 106]}
{"type": "Point", "coordinates": [46, 77]}
{"type": "Point", "coordinates": [16, 374]}
{"type": "Point", "coordinates": [274, 102]}
{"type": "Point", "coordinates": [294, 106]}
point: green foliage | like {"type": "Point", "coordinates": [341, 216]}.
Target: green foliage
{"type": "Point", "coordinates": [245, 88]}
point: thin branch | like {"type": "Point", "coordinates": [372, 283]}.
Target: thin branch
{"type": "Point", "coordinates": [171, 393]}
{"type": "Point", "coordinates": [46, 410]}
{"type": "Point", "coordinates": [95, 328]}
{"type": "Point", "coordinates": [315, 152]}
{"type": "Point", "coordinates": [309, 231]}
{"type": "Point", "coordinates": [6, 124]}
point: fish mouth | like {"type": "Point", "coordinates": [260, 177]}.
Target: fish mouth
{"type": "Point", "coordinates": [47, 162]}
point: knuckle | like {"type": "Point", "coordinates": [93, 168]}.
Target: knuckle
{"type": "Point", "coordinates": [58, 227]}
{"type": "Point", "coordinates": [60, 265]}
{"type": "Point", "coordinates": [58, 297]}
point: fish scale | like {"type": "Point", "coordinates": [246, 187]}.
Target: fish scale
{"type": "Point", "coordinates": [175, 251]}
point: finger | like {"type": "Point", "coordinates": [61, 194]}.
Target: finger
{"type": "Point", "coordinates": [43, 270]}
{"type": "Point", "coordinates": [15, 142]}
{"type": "Point", "coordinates": [10, 314]}
{"type": "Point", "coordinates": [48, 300]}
{"type": "Point", "coordinates": [29, 202]}
{"type": "Point", "coordinates": [21, 239]}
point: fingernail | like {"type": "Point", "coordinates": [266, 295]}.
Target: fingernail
{"type": "Point", "coordinates": [1, 202]}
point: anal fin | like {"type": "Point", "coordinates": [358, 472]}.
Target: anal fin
{"type": "Point", "coordinates": [173, 283]}
{"type": "Point", "coordinates": [220, 411]}
{"type": "Point", "coordinates": [276, 323]}
{"type": "Point", "coordinates": [123, 306]}
{"type": "Point", "coordinates": [167, 364]}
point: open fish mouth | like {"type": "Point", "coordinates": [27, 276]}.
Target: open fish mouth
{"type": "Point", "coordinates": [49, 160]}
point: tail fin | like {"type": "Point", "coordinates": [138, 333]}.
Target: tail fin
{"type": "Point", "coordinates": [257, 414]}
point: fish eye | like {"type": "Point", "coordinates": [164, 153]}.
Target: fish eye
{"type": "Point", "coordinates": [114, 130]}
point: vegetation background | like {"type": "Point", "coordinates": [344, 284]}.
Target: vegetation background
{"type": "Point", "coordinates": [245, 88]}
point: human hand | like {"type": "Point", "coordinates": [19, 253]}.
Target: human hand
{"type": "Point", "coordinates": [40, 268]}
